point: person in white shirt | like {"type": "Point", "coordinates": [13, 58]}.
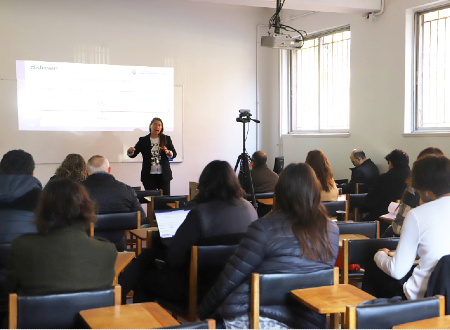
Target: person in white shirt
{"type": "Point", "coordinates": [424, 234]}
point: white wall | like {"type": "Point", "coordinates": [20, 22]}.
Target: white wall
{"type": "Point", "coordinates": [212, 48]}
{"type": "Point", "coordinates": [377, 92]}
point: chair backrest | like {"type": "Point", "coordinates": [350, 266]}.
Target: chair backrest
{"type": "Point", "coordinates": [275, 289]}
{"type": "Point", "coordinates": [137, 188]}
{"type": "Point", "coordinates": [356, 201]}
{"type": "Point", "coordinates": [206, 324]}
{"type": "Point", "coordinates": [118, 221]}
{"type": "Point", "coordinates": [278, 164]}
{"type": "Point", "coordinates": [259, 196]}
{"type": "Point", "coordinates": [147, 193]}
{"type": "Point", "coordinates": [193, 190]}
{"type": "Point", "coordinates": [369, 229]}
{"type": "Point", "coordinates": [333, 207]}
{"type": "Point", "coordinates": [387, 315]}
{"type": "Point", "coordinates": [362, 251]}
{"type": "Point", "coordinates": [162, 201]}
{"type": "Point", "coordinates": [58, 311]}
{"type": "Point", "coordinates": [341, 181]}
{"type": "Point", "coordinates": [360, 188]}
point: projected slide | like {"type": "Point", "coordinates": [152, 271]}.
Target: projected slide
{"type": "Point", "coordinates": [55, 96]}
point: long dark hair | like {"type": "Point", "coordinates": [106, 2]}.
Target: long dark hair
{"type": "Point", "coordinates": [218, 181]}
{"type": "Point", "coordinates": [319, 163]}
{"type": "Point", "coordinates": [162, 136]}
{"type": "Point", "coordinates": [64, 202]}
{"type": "Point", "coordinates": [297, 196]}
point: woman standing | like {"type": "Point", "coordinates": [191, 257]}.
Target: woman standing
{"type": "Point", "coordinates": [319, 163]}
{"type": "Point", "coordinates": [156, 149]}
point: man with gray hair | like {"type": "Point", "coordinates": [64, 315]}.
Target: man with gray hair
{"type": "Point", "coordinates": [110, 195]}
{"type": "Point", "coordinates": [365, 171]}
{"type": "Point", "coordinates": [263, 178]}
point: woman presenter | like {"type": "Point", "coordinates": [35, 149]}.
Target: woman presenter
{"type": "Point", "coordinates": [156, 149]}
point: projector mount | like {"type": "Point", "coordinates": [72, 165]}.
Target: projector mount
{"type": "Point", "coordinates": [279, 40]}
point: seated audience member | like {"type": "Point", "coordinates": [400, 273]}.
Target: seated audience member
{"type": "Point", "coordinates": [319, 163]}
{"type": "Point", "coordinates": [297, 237]}
{"type": "Point", "coordinates": [61, 257]}
{"type": "Point", "coordinates": [73, 167]}
{"type": "Point", "coordinates": [365, 171]}
{"type": "Point", "coordinates": [263, 179]}
{"type": "Point", "coordinates": [424, 233]}
{"type": "Point", "coordinates": [221, 217]}
{"type": "Point", "coordinates": [19, 195]}
{"type": "Point", "coordinates": [389, 186]}
{"type": "Point", "coordinates": [410, 198]}
{"type": "Point", "coordinates": [110, 196]}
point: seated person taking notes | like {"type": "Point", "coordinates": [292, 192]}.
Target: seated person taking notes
{"type": "Point", "coordinates": [221, 217]}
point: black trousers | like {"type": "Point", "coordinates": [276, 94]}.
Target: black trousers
{"type": "Point", "coordinates": [156, 181]}
{"type": "Point", "coordinates": [381, 285]}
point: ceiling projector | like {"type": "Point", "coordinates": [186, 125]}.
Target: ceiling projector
{"type": "Point", "coordinates": [281, 41]}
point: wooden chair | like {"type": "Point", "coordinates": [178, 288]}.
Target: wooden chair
{"type": "Point", "coordinates": [206, 324]}
{"type": "Point", "coordinates": [370, 229]}
{"type": "Point", "coordinates": [147, 197]}
{"type": "Point", "coordinates": [356, 201]}
{"type": "Point", "coordinates": [334, 208]}
{"type": "Point", "coordinates": [265, 202]}
{"type": "Point", "coordinates": [275, 289]}
{"type": "Point", "coordinates": [137, 188]}
{"type": "Point", "coordinates": [57, 311]}
{"type": "Point", "coordinates": [193, 190]}
{"type": "Point", "coordinates": [203, 258]}
{"type": "Point", "coordinates": [360, 252]}
{"type": "Point", "coordinates": [387, 315]}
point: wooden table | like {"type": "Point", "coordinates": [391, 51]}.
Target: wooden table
{"type": "Point", "coordinates": [350, 236]}
{"type": "Point", "coordinates": [442, 322]}
{"type": "Point", "coordinates": [123, 259]}
{"type": "Point", "coordinates": [135, 316]}
{"type": "Point", "coordinates": [142, 234]}
{"type": "Point", "coordinates": [331, 299]}
{"type": "Point", "coordinates": [266, 201]}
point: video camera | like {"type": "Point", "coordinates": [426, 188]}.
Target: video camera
{"type": "Point", "coordinates": [244, 116]}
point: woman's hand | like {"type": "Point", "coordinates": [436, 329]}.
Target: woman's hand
{"type": "Point", "coordinates": [165, 150]}
{"type": "Point", "coordinates": [384, 250]}
{"type": "Point", "coordinates": [131, 150]}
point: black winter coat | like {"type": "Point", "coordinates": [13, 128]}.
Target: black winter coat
{"type": "Point", "coordinates": [144, 146]}
{"type": "Point", "coordinates": [269, 247]}
{"type": "Point", "coordinates": [112, 196]}
{"type": "Point", "coordinates": [366, 173]}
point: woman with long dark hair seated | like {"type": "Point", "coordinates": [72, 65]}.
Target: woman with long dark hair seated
{"type": "Point", "coordinates": [319, 163]}
{"type": "Point", "coordinates": [61, 257]}
{"type": "Point", "coordinates": [221, 217]}
{"type": "Point", "coordinates": [296, 237]}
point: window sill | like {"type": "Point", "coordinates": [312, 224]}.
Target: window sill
{"type": "Point", "coordinates": [427, 133]}
{"type": "Point", "coordinates": [324, 135]}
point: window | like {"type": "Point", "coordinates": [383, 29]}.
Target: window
{"type": "Point", "coordinates": [320, 83]}
{"type": "Point", "coordinates": [432, 108]}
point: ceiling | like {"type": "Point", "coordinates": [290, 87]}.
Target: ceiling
{"type": "Point", "coordinates": [335, 6]}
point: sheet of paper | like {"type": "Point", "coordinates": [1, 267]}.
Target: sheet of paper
{"type": "Point", "coordinates": [168, 222]}
{"type": "Point", "coordinates": [393, 208]}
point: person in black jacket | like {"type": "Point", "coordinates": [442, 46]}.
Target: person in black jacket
{"type": "Point", "coordinates": [365, 171]}
{"type": "Point", "coordinates": [388, 187]}
{"type": "Point", "coordinates": [156, 149]}
{"type": "Point", "coordinates": [110, 196]}
{"type": "Point", "coordinates": [221, 217]}
{"type": "Point", "coordinates": [296, 237]}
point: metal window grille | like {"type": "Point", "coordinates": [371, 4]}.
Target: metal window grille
{"type": "Point", "coordinates": [320, 84]}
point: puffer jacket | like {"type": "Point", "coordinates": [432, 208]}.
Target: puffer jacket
{"type": "Point", "coordinates": [112, 196]}
{"type": "Point", "coordinates": [268, 247]}
{"type": "Point", "coordinates": [19, 192]}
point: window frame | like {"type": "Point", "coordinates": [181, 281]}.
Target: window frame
{"type": "Point", "coordinates": [292, 72]}
{"type": "Point", "coordinates": [418, 71]}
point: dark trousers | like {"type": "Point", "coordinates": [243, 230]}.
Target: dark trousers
{"type": "Point", "coordinates": [149, 280]}
{"type": "Point", "coordinates": [379, 284]}
{"type": "Point", "coordinates": [156, 181]}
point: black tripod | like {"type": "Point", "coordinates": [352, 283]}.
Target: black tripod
{"type": "Point", "coordinates": [244, 173]}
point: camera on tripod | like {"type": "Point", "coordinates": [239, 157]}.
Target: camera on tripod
{"type": "Point", "coordinates": [244, 116]}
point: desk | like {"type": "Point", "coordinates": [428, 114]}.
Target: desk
{"type": "Point", "coordinates": [331, 299]}
{"type": "Point", "coordinates": [442, 322]}
{"type": "Point", "coordinates": [266, 201]}
{"type": "Point", "coordinates": [142, 234]}
{"type": "Point", "coordinates": [135, 316]}
{"type": "Point", "coordinates": [391, 253]}
{"type": "Point", "coordinates": [349, 237]}
{"type": "Point", "coordinates": [123, 259]}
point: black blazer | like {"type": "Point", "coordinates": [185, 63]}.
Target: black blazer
{"type": "Point", "coordinates": [143, 146]}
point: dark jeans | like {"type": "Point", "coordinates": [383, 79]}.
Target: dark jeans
{"type": "Point", "coordinates": [156, 181]}
{"type": "Point", "coordinates": [379, 284]}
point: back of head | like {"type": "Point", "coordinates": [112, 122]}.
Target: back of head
{"type": "Point", "coordinates": [398, 158]}
{"type": "Point", "coordinates": [359, 154]}
{"type": "Point", "coordinates": [17, 162]}
{"type": "Point", "coordinates": [430, 151]}
{"type": "Point", "coordinates": [432, 173]}
{"type": "Point", "coordinates": [218, 182]}
{"type": "Point", "coordinates": [72, 167]}
{"type": "Point", "coordinates": [259, 157]}
{"type": "Point", "coordinates": [319, 163]}
{"type": "Point", "coordinates": [97, 164]}
{"type": "Point", "coordinates": [63, 203]}
{"type": "Point", "coordinates": [297, 195]}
